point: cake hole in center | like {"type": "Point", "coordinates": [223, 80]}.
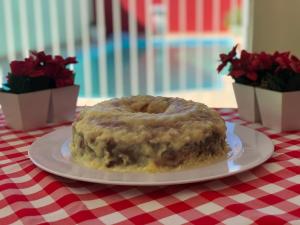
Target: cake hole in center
{"type": "Point", "coordinates": [153, 108]}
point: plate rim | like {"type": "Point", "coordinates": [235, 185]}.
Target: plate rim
{"type": "Point", "coordinates": [147, 183]}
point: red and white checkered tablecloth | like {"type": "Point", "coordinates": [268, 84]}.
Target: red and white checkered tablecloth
{"type": "Point", "coordinates": [267, 194]}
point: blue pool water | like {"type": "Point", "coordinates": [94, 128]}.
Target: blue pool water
{"type": "Point", "coordinates": [207, 50]}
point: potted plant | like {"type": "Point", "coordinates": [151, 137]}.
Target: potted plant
{"type": "Point", "coordinates": [274, 80]}
{"type": "Point", "coordinates": [244, 84]}
{"type": "Point", "coordinates": [39, 89]}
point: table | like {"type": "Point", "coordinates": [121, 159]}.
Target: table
{"type": "Point", "coordinates": [267, 194]}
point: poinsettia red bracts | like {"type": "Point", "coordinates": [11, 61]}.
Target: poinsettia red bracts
{"type": "Point", "coordinates": [227, 58]}
{"type": "Point", "coordinates": [40, 64]}
{"type": "Point", "coordinates": [251, 65]}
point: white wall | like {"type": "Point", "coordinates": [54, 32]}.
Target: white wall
{"type": "Point", "coordinates": [275, 25]}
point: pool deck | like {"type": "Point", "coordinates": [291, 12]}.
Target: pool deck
{"type": "Point", "coordinates": [222, 98]}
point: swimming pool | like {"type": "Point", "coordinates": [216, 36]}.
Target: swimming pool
{"type": "Point", "coordinates": [201, 59]}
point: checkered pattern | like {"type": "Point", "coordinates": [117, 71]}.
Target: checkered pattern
{"type": "Point", "coordinates": [267, 194]}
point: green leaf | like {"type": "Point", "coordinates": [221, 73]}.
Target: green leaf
{"type": "Point", "coordinates": [24, 84]}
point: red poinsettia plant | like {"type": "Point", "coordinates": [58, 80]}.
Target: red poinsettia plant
{"type": "Point", "coordinates": [39, 71]}
{"type": "Point", "coordinates": [279, 71]}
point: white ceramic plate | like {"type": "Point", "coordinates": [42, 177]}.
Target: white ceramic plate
{"type": "Point", "coordinates": [249, 148]}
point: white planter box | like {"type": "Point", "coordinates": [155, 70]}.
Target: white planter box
{"type": "Point", "coordinates": [279, 110]}
{"type": "Point", "coordinates": [25, 111]}
{"type": "Point", "coordinates": [247, 103]}
{"type": "Point", "coordinates": [63, 104]}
